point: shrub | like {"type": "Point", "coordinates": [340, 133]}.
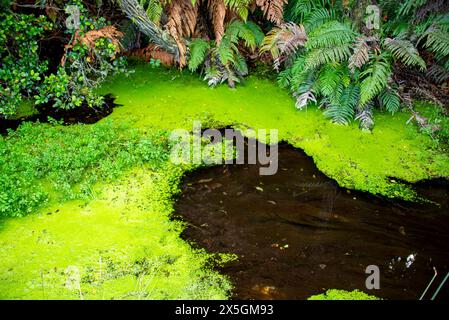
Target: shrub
{"type": "Point", "coordinates": [37, 158]}
{"type": "Point", "coordinates": [88, 60]}
{"type": "Point", "coordinates": [21, 69]}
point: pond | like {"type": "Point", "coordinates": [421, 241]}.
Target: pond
{"type": "Point", "coordinates": [297, 233]}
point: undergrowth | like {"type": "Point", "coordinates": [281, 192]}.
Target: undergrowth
{"type": "Point", "coordinates": [40, 158]}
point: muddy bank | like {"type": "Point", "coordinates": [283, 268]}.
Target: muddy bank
{"type": "Point", "coordinates": [297, 233]}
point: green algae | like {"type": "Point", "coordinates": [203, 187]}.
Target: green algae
{"type": "Point", "coordinates": [380, 162]}
{"type": "Point", "coordinates": [120, 245]}
{"type": "Point", "coordinates": [334, 294]}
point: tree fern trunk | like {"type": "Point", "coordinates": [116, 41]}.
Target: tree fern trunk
{"type": "Point", "coordinates": [137, 15]}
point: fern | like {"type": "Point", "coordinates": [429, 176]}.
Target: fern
{"type": "Point", "coordinates": [329, 78]}
{"type": "Point", "coordinates": [438, 73]}
{"type": "Point", "coordinates": [404, 51]}
{"type": "Point", "coordinates": [360, 56]}
{"type": "Point", "coordinates": [319, 17]}
{"type": "Point", "coordinates": [389, 99]}
{"type": "Point", "coordinates": [239, 6]}
{"type": "Point", "coordinates": [341, 109]}
{"type": "Point", "coordinates": [153, 9]}
{"type": "Point", "coordinates": [365, 116]}
{"type": "Point", "coordinates": [375, 78]}
{"type": "Point", "coordinates": [318, 57]}
{"type": "Point", "coordinates": [198, 50]}
{"type": "Point", "coordinates": [332, 33]}
{"type": "Point", "coordinates": [438, 41]}
{"type": "Point", "coordinates": [283, 41]}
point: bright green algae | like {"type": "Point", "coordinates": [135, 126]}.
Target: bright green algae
{"type": "Point", "coordinates": [120, 245]}
{"type": "Point", "coordinates": [122, 242]}
{"type": "Point", "coordinates": [373, 162]}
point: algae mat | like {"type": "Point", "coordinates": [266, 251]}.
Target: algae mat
{"type": "Point", "coordinates": [374, 162]}
{"type": "Point", "coordinates": [122, 244]}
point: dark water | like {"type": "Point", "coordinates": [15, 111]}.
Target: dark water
{"type": "Point", "coordinates": [84, 114]}
{"type": "Point", "coordinates": [298, 233]}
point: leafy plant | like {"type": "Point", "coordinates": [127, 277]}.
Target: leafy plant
{"type": "Point", "coordinates": [88, 60]}
{"type": "Point", "coordinates": [21, 70]}
{"type": "Point", "coordinates": [329, 60]}
{"type": "Point", "coordinates": [223, 61]}
{"type": "Point", "coordinates": [38, 157]}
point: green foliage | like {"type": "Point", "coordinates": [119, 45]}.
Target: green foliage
{"type": "Point", "coordinates": [374, 78]}
{"type": "Point", "coordinates": [21, 69]}
{"type": "Point", "coordinates": [198, 50]}
{"type": "Point", "coordinates": [223, 61]}
{"type": "Point", "coordinates": [334, 294]}
{"type": "Point", "coordinates": [389, 99]}
{"type": "Point", "coordinates": [70, 160]}
{"type": "Point", "coordinates": [404, 51]}
{"type": "Point", "coordinates": [84, 69]}
{"type": "Point", "coordinates": [343, 67]}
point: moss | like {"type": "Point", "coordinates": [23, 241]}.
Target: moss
{"type": "Point", "coordinates": [374, 162]}
{"type": "Point", "coordinates": [26, 109]}
{"type": "Point", "coordinates": [334, 294]}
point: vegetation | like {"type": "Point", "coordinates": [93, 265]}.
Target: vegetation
{"type": "Point", "coordinates": [334, 294]}
{"type": "Point", "coordinates": [88, 59]}
{"type": "Point", "coordinates": [36, 159]}
{"type": "Point", "coordinates": [21, 69]}
{"type": "Point", "coordinates": [85, 209]}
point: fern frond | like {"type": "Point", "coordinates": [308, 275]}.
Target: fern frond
{"type": "Point", "coordinates": [332, 33]}
{"type": "Point", "coordinates": [302, 99]}
{"type": "Point", "coordinates": [360, 56]}
{"type": "Point", "coordinates": [341, 109]}
{"type": "Point", "coordinates": [319, 17]}
{"type": "Point", "coordinates": [239, 6]}
{"type": "Point", "coordinates": [438, 73]}
{"type": "Point", "coordinates": [366, 118]}
{"type": "Point", "coordinates": [389, 99]}
{"type": "Point", "coordinates": [283, 41]}
{"type": "Point", "coordinates": [272, 9]}
{"type": "Point", "coordinates": [318, 57]}
{"type": "Point", "coordinates": [330, 77]}
{"type": "Point", "coordinates": [198, 50]}
{"type": "Point", "coordinates": [404, 51]}
{"type": "Point", "coordinates": [153, 9]}
{"type": "Point", "coordinates": [375, 78]}
{"type": "Point", "coordinates": [437, 41]}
